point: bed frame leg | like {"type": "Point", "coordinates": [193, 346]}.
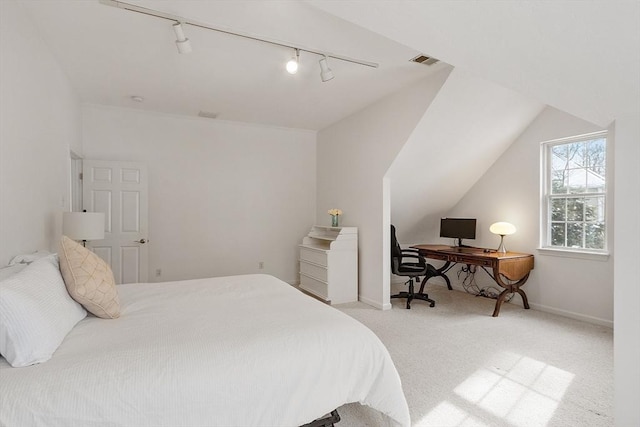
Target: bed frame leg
{"type": "Point", "coordinates": [326, 421]}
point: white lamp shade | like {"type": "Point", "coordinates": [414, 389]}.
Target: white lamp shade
{"type": "Point", "coordinates": [83, 225]}
{"type": "Point", "coordinates": [502, 228]}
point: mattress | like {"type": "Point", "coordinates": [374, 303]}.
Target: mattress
{"type": "Point", "coordinates": [231, 351]}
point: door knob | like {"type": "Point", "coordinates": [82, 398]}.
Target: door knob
{"type": "Point", "coordinates": [142, 241]}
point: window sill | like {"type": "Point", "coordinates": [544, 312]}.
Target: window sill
{"type": "Point", "coordinates": [573, 253]}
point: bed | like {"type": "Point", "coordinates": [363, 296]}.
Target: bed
{"type": "Point", "coordinates": [245, 350]}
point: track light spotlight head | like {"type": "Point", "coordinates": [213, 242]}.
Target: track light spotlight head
{"type": "Point", "coordinates": [177, 28]}
{"type": "Point", "coordinates": [184, 46]}
{"type": "Point", "coordinates": [325, 72]}
{"type": "Point", "coordinates": [182, 42]}
{"type": "Point", "coordinates": [292, 65]}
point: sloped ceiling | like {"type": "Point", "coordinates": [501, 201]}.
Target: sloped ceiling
{"type": "Point", "coordinates": [469, 124]}
{"type": "Point", "coordinates": [110, 54]}
{"type": "Point", "coordinates": [582, 57]}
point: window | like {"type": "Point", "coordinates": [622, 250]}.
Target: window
{"type": "Point", "coordinates": [575, 193]}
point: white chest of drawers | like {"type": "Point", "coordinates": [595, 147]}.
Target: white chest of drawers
{"type": "Point", "coordinates": [329, 263]}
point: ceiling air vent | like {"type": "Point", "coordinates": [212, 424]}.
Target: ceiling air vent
{"type": "Point", "coordinates": [208, 114]}
{"type": "Point", "coordinates": [426, 60]}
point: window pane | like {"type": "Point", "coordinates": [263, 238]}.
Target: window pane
{"type": "Point", "coordinates": [558, 210]}
{"type": "Point", "coordinates": [575, 209]}
{"type": "Point", "coordinates": [594, 209]}
{"type": "Point", "coordinates": [577, 154]}
{"type": "Point", "coordinates": [558, 157]}
{"type": "Point", "coordinates": [574, 234]}
{"type": "Point", "coordinates": [577, 180]}
{"type": "Point", "coordinates": [558, 182]}
{"type": "Point", "coordinates": [596, 152]}
{"type": "Point", "coordinates": [595, 183]}
{"type": "Point", "coordinates": [557, 233]}
{"type": "Point", "coordinates": [594, 235]}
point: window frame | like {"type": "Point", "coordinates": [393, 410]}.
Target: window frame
{"type": "Point", "coordinates": [546, 196]}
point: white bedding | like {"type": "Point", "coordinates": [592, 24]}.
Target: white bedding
{"type": "Point", "coordinates": [229, 351]}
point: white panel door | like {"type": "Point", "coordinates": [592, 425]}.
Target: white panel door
{"type": "Point", "coordinates": [119, 189]}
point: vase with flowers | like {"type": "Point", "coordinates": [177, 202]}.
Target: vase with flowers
{"type": "Point", "coordinates": [335, 213]}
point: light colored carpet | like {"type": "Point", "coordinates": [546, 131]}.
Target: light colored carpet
{"type": "Point", "coordinates": [461, 367]}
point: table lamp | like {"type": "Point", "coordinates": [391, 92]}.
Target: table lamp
{"type": "Point", "coordinates": [83, 226]}
{"type": "Point", "coordinates": [502, 229]}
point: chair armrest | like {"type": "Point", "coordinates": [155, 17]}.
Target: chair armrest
{"type": "Point", "coordinates": [415, 251]}
{"type": "Point", "coordinates": [420, 258]}
{"type": "Point", "coordinates": [405, 255]}
{"type": "Point", "coordinates": [412, 253]}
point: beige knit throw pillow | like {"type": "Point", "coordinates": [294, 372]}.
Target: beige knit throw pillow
{"type": "Point", "coordinates": [89, 279]}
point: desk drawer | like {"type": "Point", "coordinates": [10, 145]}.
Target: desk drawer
{"type": "Point", "coordinates": [315, 256]}
{"type": "Point", "coordinates": [474, 261]}
{"type": "Point", "coordinates": [316, 287]}
{"type": "Point", "coordinates": [432, 255]}
{"type": "Point", "coordinates": [316, 271]}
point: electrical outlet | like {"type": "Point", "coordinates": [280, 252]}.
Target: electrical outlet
{"type": "Point", "coordinates": [261, 265]}
{"type": "Point", "coordinates": [158, 272]}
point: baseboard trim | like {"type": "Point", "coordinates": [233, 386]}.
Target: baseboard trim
{"type": "Point", "coordinates": [553, 310]}
{"type": "Point", "coordinates": [573, 315]}
{"type": "Point", "coordinates": [374, 304]}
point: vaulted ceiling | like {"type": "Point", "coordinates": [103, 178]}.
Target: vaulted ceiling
{"type": "Point", "coordinates": [581, 57]}
{"type": "Point", "coordinates": [110, 54]}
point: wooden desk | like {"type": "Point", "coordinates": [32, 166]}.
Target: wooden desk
{"type": "Point", "coordinates": [513, 266]}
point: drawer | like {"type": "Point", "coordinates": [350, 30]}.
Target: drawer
{"type": "Point", "coordinates": [316, 271]}
{"type": "Point", "coordinates": [315, 256]}
{"type": "Point", "coordinates": [437, 256]}
{"type": "Point", "coordinates": [473, 261]}
{"type": "Point", "coordinates": [314, 286]}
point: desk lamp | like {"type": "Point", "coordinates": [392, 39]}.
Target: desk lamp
{"type": "Point", "coordinates": [83, 226]}
{"type": "Point", "coordinates": [502, 229]}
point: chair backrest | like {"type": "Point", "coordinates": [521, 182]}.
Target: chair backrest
{"type": "Point", "coordinates": [396, 251]}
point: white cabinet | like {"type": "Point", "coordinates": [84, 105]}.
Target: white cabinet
{"type": "Point", "coordinates": [329, 263]}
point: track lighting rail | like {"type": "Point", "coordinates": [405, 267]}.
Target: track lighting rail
{"type": "Point", "coordinates": [185, 21]}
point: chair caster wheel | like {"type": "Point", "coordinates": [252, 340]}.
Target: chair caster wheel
{"type": "Point", "coordinates": [408, 307]}
{"type": "Point", "coordinates": [433, 304]}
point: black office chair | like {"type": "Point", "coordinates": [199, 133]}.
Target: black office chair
{"type": "Point", "coordinates": [413, 270]}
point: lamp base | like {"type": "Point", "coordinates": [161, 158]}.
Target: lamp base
{"type": "Point", "coordinates": [502, 249]}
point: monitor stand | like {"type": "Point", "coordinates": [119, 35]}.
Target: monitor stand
{"type": "Point", "coordinates": [460, 245]}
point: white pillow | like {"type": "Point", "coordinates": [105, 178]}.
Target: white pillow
{"type": "Point", "coordinates": [10, 270]}
{"type": "Point", "coordinates": [29, 258]}
{"type": "Point", "coordinates": [36, 313]}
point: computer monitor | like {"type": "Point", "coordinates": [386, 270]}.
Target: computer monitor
{"type": "Point", "coordinates": [458, 228]}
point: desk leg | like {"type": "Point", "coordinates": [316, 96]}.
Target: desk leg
{"type": "Point", "coordinates": [499, 301]}
{"type": "Point", "coordinates": [509, 288]}
{"type": "Point", "coordinates": [440, 272]}
{"type": "Point", "coordinates": [446, 279]}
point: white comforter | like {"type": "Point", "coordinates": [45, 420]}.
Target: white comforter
{"type": "Point", "coordinates": [229, 351]}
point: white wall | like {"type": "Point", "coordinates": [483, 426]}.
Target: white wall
{"type": "Point", "coordinates": [627, 268]}
{"type": "Point", "coordinates": [510, 191]}
{"type": "Point", "coordinates": [39, 124]}
{"type": "Point", "coordinates": [223, 196]}
{"type": "Point", "coordinates": [353, 158]}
